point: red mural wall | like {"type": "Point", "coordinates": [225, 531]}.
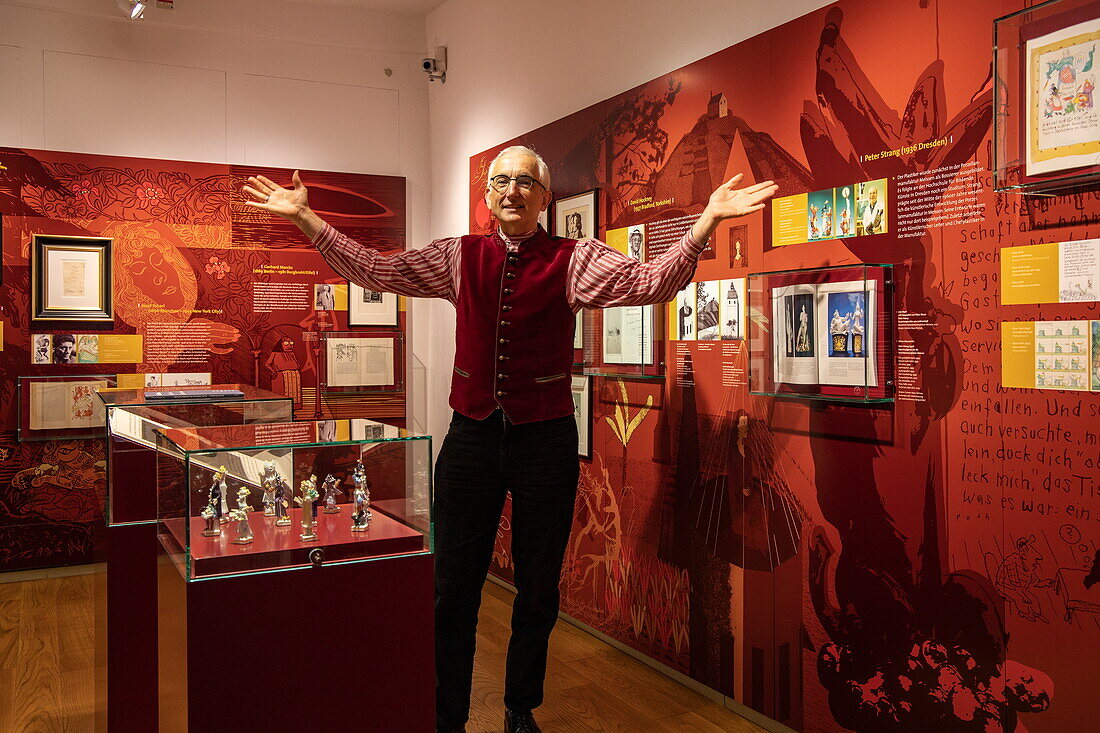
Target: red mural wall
{"type": "Point", "coordinates": [210, 284]}
{"type": "Point", "coordinates": [921, 566]}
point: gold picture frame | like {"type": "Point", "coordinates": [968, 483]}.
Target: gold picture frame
{"type": "Point", "coordinates": [71, 278]}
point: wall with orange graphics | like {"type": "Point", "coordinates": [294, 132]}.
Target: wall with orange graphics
{"type": "Point", "coordinates": [210, 285]}
{"type": "Point", "coordinates": [928, 565]}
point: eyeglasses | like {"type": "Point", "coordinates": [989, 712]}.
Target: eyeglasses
{"type": "Point", "coordinates": [525, 183]}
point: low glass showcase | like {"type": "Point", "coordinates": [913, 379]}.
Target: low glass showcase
{"type": "Point", "coordinates": [1046, 133]}
{"type": "Point", "coordinates": [62, 408]}
{"type": "Point", "coordinates": [134, 415]}
{"type": "Point", "coordinates": [823, 334]}
{"type": "Point", "coordinates": [256, 498]}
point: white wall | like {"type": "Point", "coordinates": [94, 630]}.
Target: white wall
{"type": "Point", "coordinates": [266, 82]}
{"type": "Point", "coordinates": [558, 57]}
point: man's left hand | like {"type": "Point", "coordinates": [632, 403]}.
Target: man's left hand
{"type": "Point", "coordinates": [728, 202]}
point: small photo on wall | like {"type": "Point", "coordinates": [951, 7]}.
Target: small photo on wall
{"type": "Point", "coordinates": [685, 313]}
{"type": "Point", "coordinates": [819, 215]}
{"type": "Point", "coordinates": [845, 213]}
{"type": "Point", "coordinates": [739, 246]}
{"type": "Point", "coordinates": [575, 217]}
{"type": "Point", "coordinates": [64, 348]}
{"type": "Point", "coordinates": [732, 302]}
{"type": "Point", "coordinates": [707, 311]}
{"type": "Point", "coordinates": [1095, 327]}
{"type": "Point", "coordinates": [41, 348]}
{"type": "Point", "coordinates": [324, 297]}
{"type": "Point", "coordinates": [871, 207]}
{"type": "Point", "coordinates": [635, 242]}
{"type": "Point", "coordinates": [582, 410]}
{"type": "Point", "coordinates": [87, 348]}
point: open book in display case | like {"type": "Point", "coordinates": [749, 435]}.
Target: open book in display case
{"type": "Point", "coordinates": [823, 334]}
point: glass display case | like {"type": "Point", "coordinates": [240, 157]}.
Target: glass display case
{"type": "Point", "coordinates": [134, 415]}
{"type": "Point", "coordinates": [1046, 132]}
{"type": "Point", "coordinates": [361, 362]}
{"type": "Point", "coordinates": [625, 341]}
{"type": "Point", "coordinates": [823, 334]}
{"type": "Point", "coordinates": [62, 408]}
{"type": "Point", "coordinates": [254, 498]}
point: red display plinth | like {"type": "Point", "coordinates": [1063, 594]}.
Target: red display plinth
{"type": "Point", "coordinates": [341, 647]}
{"type": "Point", "coordinates": [281, 546]}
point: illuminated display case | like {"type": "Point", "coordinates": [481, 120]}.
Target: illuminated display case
{"type": "Point", "coordinates": [1046, 139]}
{"type": "Point", "coordinates": [361, 362]}
{"type": "Point", "coordinates": [62, 408]}
{"type": "Point", "coordinates": [134, 415]}
{"type": "Point", "coordinates": [823, 334]}
{"type": "Point", "coordinates": [253, 498]}
{"type": "Point", "coordinates": [625, 341]}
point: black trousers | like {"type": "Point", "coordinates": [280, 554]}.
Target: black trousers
{"type": "Point", "coordinates": [479, 462]}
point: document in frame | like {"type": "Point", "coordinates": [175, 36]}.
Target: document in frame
{"type": "Point", "coordinates": [628, 335]}
{"type": "Point", "coordinates": [1063, 124]}
{"type": "Point", "coordinates": [360, 362]}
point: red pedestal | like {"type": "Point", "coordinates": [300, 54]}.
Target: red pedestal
{"type": "Point", "coordinates": [341, 647]}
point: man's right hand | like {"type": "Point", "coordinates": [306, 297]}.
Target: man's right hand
{"type": "Point", "coordinates": [290, 203]}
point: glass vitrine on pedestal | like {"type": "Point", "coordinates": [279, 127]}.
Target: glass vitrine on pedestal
{"type": "Point", "coordinates": [302, 547]}
{"type": "Point", "coordinates": [126, 608]}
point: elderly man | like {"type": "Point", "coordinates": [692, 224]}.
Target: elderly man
{"type": "Point", "coordinates": [516, 292]}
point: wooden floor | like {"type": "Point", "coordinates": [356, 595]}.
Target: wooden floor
{"type": "Point", "coordinates": [47, 662]}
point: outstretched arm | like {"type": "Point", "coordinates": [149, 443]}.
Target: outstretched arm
{"type": "Point", "coordinates": [429, 272]}
{"type": "Point", "coordinates": [603, 277]}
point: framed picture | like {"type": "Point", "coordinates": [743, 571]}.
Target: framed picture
{"type": "Point", "coordinates": [582, 409]}
{"type": "Point", "coordinates": [371, 307]}
{"type": "Point", "coordinates": [577, 217]}
{"type": "Point", "coordinates": [71, 278]}
{"type": "Point", "coordinates": [1063, 129]}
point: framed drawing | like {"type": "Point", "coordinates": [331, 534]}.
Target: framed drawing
{"type": "Point", "coordinates": [577, 217]}
{"type": "Point", "coordinates": [1063, 128]}
{"type": "Point", "coordinates": [71, 278]}
{"type": "Point", "coordinates": [582, 409]}
{"type": "Point", "coordinates": [371, 307]}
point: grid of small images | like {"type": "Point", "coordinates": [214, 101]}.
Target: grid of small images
{"type": "Point", "coordinates": [1062, 355]}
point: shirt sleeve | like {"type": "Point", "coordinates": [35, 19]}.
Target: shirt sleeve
{"type": "Point", "coordinates": [602, 277]}
{"type": "Point", "coordinates": [429, 272]}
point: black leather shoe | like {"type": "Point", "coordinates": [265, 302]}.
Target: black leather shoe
{"type": "Point", "coordinates": [520, 721]}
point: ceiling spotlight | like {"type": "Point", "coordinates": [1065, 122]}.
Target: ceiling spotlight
{"type": "Point", "coordinates": [134, 8]}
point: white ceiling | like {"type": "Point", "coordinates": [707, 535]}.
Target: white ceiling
{"type": "Point", "coordinates": [408, 7]}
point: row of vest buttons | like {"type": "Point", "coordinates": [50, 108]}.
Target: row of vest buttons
{"type": "Point", "coordinates": [512, 259]}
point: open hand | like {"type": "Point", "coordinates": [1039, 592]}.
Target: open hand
{"type": "Point", "coordinates": [266, 195]}
{"type": "Point", "coordinates": [727, 202]}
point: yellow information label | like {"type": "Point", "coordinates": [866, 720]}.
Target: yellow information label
{"type": "Point", "coordinates": [789, 220]}
{"type": "Point", "coordinates": [1018, 354]}
{"type": "Point", "coordinates": [130, 381]}
{"type": "Point", "coordinates": [1030, 274]}
{"type": "Point", "coordinates": [116, 348]}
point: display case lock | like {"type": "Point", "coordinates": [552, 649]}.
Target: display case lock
{"type": "Point", "coordinates": [316, 557]}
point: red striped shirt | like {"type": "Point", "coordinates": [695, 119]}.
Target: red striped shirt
{"type": "Point", "coordinates": [599, 276]}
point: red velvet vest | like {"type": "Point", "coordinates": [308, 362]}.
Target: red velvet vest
{"type": "Point", "coordinates": [514, 332]}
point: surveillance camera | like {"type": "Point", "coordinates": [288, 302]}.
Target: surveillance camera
{"type": "Point", "coordinates": [436, 67]}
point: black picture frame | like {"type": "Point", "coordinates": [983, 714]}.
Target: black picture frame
{"type": "Point", "coordinates": [585, 203]}
{"type": "Point", "coordinates": [92, 292]}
